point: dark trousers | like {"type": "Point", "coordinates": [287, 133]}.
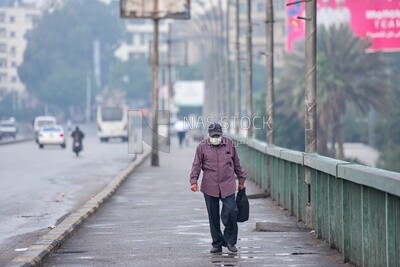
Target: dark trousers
{"type": "Point", "coordinates": [228, 218]}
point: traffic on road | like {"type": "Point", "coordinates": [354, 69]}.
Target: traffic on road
{"type": "Point", "coordinates": [40, 186]}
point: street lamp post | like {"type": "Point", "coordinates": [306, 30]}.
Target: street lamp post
{"type": "Point", "coordinates": [169, 79]}
{"type": "Point", "coordinates": [249, 61]}
{"type": "Point", "coordinates": [237, 71]}
{"type": "Point", "coordinates": [228, 64]}
{"type": "Point", "coordinates": [154, 108]}
{"type": "Point", "coordinates": [270, 71]}
{"type": "Point", "coordinates": [310, 94]}
{"type": "Point", "coordinates": [152, 10]}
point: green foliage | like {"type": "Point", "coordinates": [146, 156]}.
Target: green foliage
{"type": "Point", "coordinates": [345, 74]}
{"type": "Point", "coordinates": [132, 77]}
{"type": "Point", "coordinates": [355, 125]}
{"type": "Point", "coordinates": [388, 130]}
{"type": "Point", "coordinates": [65, 87]}
{"type": "Point", "coordinates": [389, 157]}
{"type": "Point", "coordinates": [288, 129]}
{"type": "Point", "coordinates": [63, 41]}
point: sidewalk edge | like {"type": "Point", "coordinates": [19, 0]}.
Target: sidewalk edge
{"type": "Point", "coordinates": [45, 245]}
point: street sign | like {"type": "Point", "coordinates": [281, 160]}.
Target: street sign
{"type": "Point", "coordinates": [155, 9]}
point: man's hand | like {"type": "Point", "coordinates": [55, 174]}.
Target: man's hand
{"type": "Point", "coordinates": [241, 187]}
{"type": "Point", "coordinates": [194, 188]}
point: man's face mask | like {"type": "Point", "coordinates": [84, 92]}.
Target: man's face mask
{"type": "Point", "coordinates": [216, 140]}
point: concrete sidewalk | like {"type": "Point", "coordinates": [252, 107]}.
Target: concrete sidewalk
{"type": "Point", "coordinates": [154, 219]}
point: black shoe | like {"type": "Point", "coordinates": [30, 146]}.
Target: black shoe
{"type": "Point", "coordinates": [216, 250]}
{"type": "Point", "coordinates": [231, 248]}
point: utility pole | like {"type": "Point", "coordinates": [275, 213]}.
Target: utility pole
{"type": "Point", "coordinates": [140, 9]}
{"type": "Point", "coordinates": [88, 96]}
{"type": "Point", "coordinates": [222, 83]}
{"type": "Point", "coordinates": [269, 63]}
{"type": "Point", "coordinates": [310, 94]}
{"type": "Point", "coordinates": [237, 71]}
{"type": "Point", "coordinates": [228, 65]}
{"type": "Point", "coordinates": [154, 104]}
{"type": "Point", "coordinates": [249, 61]}
{"type": "Point", "coordinates": [169, 78]}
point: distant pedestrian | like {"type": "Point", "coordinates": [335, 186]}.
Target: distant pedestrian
{"type": "Point", "coordinates": [181, 128]}
{"type": "Point", "coordinates": [216, 156]}
{"type": "Point", "coordinates": [69, 125]}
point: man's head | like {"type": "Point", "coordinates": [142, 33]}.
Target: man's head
{"type": "Point", "coordinates": [215, 130]}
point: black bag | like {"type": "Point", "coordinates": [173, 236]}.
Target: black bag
{"type": "Point", "coordinates": [242, 203]}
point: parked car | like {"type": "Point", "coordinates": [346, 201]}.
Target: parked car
{"type": "Point", "coordinates": [51, 135]}
{"type": "Point", "coordinates": [40, 121]}
{"type": "Point", "coordinates": [8, 128]}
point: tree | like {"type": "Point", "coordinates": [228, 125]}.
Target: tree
{"type": "Point", "coordinates": [388, 128]}
{"type": "Point", "coordinates": [287, 125]}
{"type": "Point", "coordinates": [64, 87]}
{"type": "Point", "coordinates": [345, 73]}
{"type": "Point", "coordinates": [132, 77]}
{"type": "Point", "coordinates": [63, 41]}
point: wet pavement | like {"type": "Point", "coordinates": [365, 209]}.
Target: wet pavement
{"type": "Point", "coordinates": [154, 219]}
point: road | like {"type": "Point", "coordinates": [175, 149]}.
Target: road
{"type": "Point", "coordinates": [41, 186]}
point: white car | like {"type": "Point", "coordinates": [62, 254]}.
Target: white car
{"type": "Point", "coordinates": [8, 128]}
{"type": "Point", "coordinates": [52, 135]}
{"type": "Point", "coordinates": [40, 121]}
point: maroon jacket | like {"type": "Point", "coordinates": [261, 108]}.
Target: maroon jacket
{"type": "Point", "coordinates": [219, 165]}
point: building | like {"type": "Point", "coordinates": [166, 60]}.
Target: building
{"type": "Point", "coordinates": [139, 37]}
{"type": "Point", "coordinates": [16, 23]}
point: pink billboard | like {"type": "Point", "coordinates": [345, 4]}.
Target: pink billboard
{"type": "Point", "coordinates": [377, 19]}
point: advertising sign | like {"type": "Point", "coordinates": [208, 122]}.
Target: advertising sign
{"type": "Point", "coordinates": [378, 20]}
{"type": "Point", "coordinates": [152, 9]}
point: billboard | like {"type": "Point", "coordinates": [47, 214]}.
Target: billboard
{"type": "Point", "coordinates": [189, 93]}
{"type": "Point", "coordinates": [155, 9]}
{"type": "Point", "coordinates": [379, 20]}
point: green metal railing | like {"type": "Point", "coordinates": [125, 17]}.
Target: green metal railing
{"type": "Point", "coordinates": [355, 208]}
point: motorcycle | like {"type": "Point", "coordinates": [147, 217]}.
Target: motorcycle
{"type": "Point", "coordinates": [77, 146]}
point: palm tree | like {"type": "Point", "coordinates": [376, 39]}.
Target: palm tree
{"type": "Point", "coordinates": [346, 72]}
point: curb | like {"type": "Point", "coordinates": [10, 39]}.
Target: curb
{"type": "Point", "coordinates": [36, 253]}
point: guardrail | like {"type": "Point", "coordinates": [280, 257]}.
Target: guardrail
{"type": "Point", "coordinates": [355, 208]}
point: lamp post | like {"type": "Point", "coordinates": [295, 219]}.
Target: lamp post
{"type": "Point", "coordinates": [147, 9]}
{"type": "Point", "coordinates": [249, 64]}
{"type": "Point", "coordinates": [154, 105]}
{"type": "Point", "coordinates": [269, 63]}
{"type": "Point", "coordinates": [228, 63]}
{"type": "Point", "coordinates": [237, 70]}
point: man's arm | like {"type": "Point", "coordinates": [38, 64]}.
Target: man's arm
{"type": "Point", "coordinates": [196, 166]}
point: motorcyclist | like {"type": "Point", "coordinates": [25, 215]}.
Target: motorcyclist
{"type": "Point", "coordinates": [77, 135]}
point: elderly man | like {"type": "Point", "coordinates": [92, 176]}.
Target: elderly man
{"type": "Point", "coordinates": [218, 159]}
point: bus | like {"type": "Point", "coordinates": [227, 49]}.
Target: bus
{"type": "Point", "coordinates": [112, 122]}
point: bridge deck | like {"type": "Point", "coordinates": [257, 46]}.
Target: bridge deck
{"type": "Point", "coordinates": [155, 220]}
